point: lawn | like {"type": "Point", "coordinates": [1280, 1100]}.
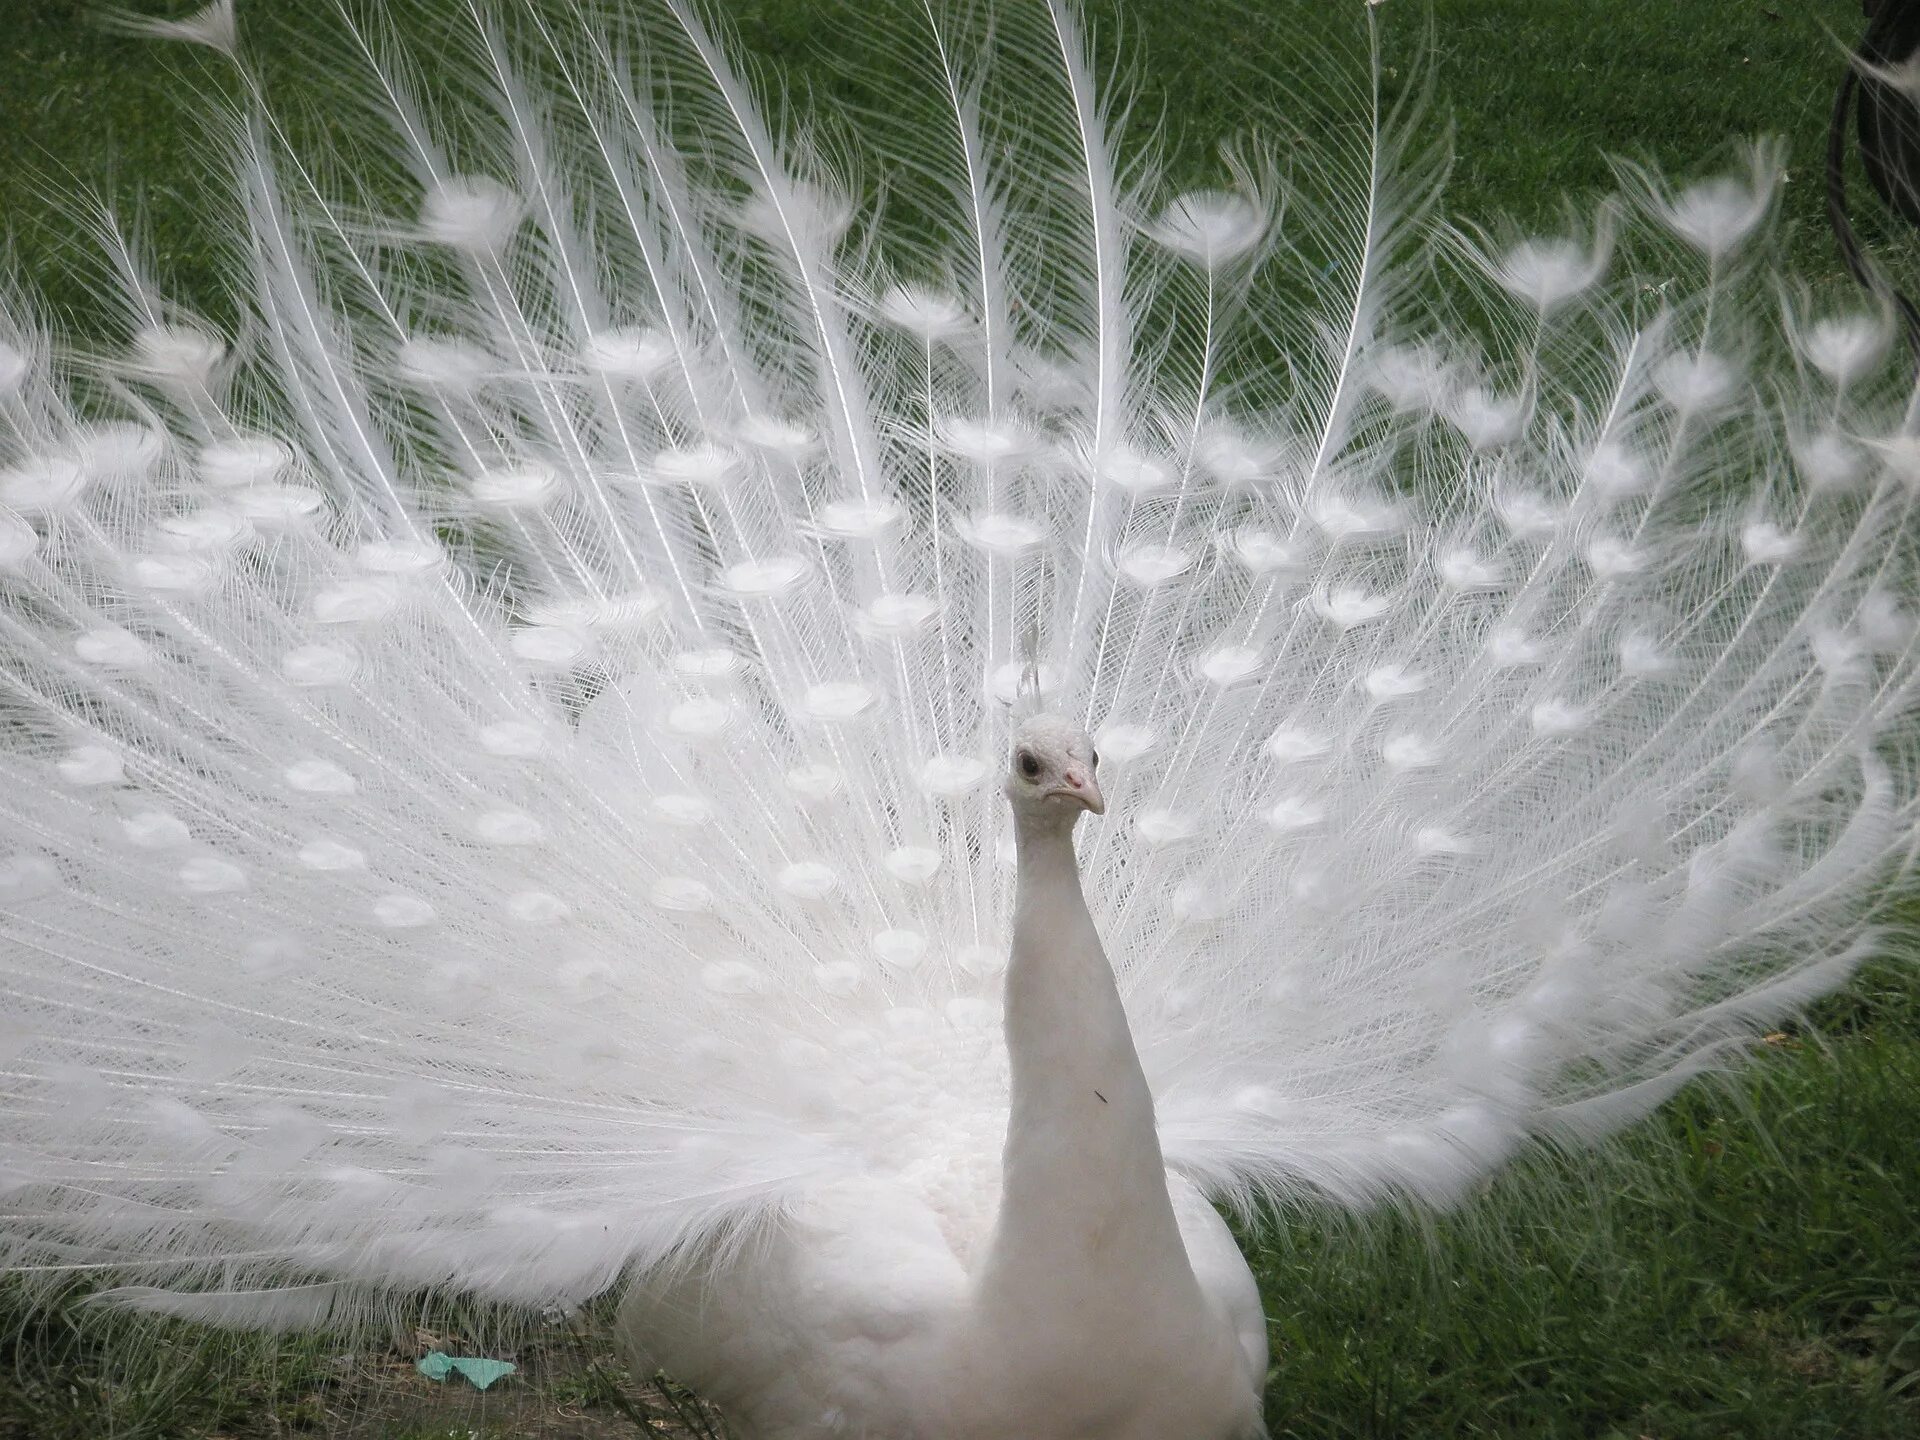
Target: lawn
{"type": "Point", "coordinates": [1747, 1265]}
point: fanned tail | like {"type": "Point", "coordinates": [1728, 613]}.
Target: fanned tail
{"type": "Point", "coordinates": [499, 753]}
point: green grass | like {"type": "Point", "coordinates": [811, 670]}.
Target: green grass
{"type": "Point", "coordinates": [1746, 1265]}
{"type": "Point", "coordinates": [1540, 93]}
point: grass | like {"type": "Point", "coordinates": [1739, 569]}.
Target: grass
{"type": "Point", "coordinates": [1746, 1265]}
{"type": "Point", "coordinates": [70, 1372]}
{"type": "Point", "coordinates": [1539, 92]}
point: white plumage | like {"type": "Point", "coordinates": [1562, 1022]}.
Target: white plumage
{"type": "Point", "coordinates": [502, 756]}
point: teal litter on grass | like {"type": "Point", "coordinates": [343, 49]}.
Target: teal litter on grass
{"type": "Point", "coordinates": [436, 1365]}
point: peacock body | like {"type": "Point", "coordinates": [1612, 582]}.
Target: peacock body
{"type": "Point", "coordinates": [514, 759]}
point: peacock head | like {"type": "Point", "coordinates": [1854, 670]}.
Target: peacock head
{"type": "Point", "coordinates": [1053, 768]}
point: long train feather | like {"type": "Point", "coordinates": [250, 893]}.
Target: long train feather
{"type": "Point", "coordinates": [499, 751]}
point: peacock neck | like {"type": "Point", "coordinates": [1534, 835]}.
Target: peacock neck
{"type": "Point", "coordinates": [1085, 1227]}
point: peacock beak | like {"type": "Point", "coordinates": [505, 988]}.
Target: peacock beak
{"type": "Point", "coordinates": [1076, 784]}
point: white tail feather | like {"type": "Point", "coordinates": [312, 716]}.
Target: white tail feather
{"type": "Point", "coordinates": [498, 760]}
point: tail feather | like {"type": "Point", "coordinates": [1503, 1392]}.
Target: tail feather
{"type": "Point", "coordinates": [498, 759]}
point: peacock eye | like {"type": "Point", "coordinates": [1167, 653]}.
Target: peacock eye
{"type": "Point", "coordinates": [1029, 764]}
{"type": "Point", "coordinates": [1096, 759]}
